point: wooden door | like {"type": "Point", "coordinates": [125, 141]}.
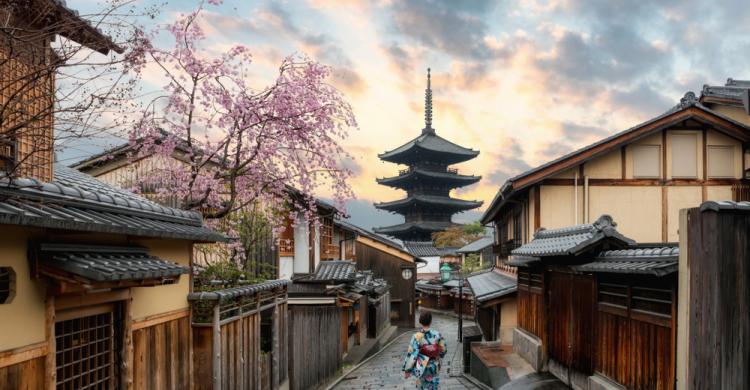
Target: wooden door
{"type": "Point", "coordinates": [571, 311]}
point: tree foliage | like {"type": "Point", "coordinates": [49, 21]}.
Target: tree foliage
{"type": "Point", "coordinates": [458, 236]}
{"type": "Point", "coordinates": [471, 264]}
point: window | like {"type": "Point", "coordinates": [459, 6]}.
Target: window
{"type": "Point", "coordinates": [720, 161]}
{"type": "Point", "coordinates": [646, 161]}
{"type": "Point", "coordinates": [684, 156]}
{"type": "Point", "coordinates": [7, 284]}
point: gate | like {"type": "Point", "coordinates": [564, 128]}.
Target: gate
{"type": "Point", "coordinates": [571, 311]}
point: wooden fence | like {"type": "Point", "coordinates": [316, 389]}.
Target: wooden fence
{"type": "Point", "coordinates": [718, 256]}
{"type": "Point", "coordinates": [239, 337]}
{"type": "Point", "coordinates": [314, 345]}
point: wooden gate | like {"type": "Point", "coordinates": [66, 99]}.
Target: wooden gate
{"type": "Point", "coordinates": [571, 319]}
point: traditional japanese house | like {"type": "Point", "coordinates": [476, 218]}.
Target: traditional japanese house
{"type": "Point", "coordinates": [428, 181]}
{"type": "Point", "coordinates": [388, 261]}
{"type": "Point", "coordinates": [94, 279]}
{"type": "Point", "coordinates": [432, 255]}
{"type": "Point", "coordinates": [494, 294]}
{"type": "Point", "coordinates": [434, 294]}
{"type": "Point", "coordinates": [597, 310]}
{"type": "Point", "coordinates": [642, 176]}
{"type": "Point", "coordinates": [343, 307]}
{"type": "Point", "coordinates": [482, 248]}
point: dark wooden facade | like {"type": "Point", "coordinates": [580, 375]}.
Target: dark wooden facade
{"type": "Point", "coordinates": [314, 345]}
{"type": "Point", "coordinates": [719, 330]}
{"type": "Point", "coordinates": [616, 326]}
{"type": "Point", "coordinates": [389, 266]}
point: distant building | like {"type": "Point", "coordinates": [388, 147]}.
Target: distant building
{"type": "Point", "coordinates": [428, 180]}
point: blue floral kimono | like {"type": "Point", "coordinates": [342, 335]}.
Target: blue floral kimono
{"type": "Point", "coordinates": [424, 369]}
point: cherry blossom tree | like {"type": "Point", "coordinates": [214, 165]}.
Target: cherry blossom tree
{"type": "Point", "coordinates": [238, 144]}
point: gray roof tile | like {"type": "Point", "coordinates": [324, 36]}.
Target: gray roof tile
{"type": "Point", "coordinates": [335, 270]}
{"type": "Point", "coordinates": [234, 292]}
{"type": "Point", "coordinates": [76, 201]}
{"type": "Point", "coordinates": [477, 245]}
{"type": "Point", "coordinates": [433, 200]}
{"type": "Point", "coordinates": [713, 205]}
{"type": "Point", "coordinates": [489, 284]}
{"type": "Point", "coordinates": [572, 240]}
{"type": "Point", "coordinates": [427, 249]}
{"type": "Point", "coordinates": [433, 143]}
{"type": "Point", "coordinates": [104, 264]}
{"type": "Point", "coordinates": [657, 261]}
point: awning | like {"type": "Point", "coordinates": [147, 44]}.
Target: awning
{"type": "Point", "coordinates": [657, 261]}
{"type": "Point", "coordinates": [488, 285]}
{"type": "Point", "coordinates": [85, 264]}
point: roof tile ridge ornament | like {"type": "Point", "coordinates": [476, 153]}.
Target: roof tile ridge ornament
{"type": "Point", "coordinates": [605, 221]}
{"type": "Point", "coordinates": [428, 107]}
{"type": "Point", "coordinates": [688, 100]}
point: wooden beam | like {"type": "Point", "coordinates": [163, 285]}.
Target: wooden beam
{"type": "Point", "coordinates": [160, 318]}
{"type": "Point", "coordinates": [664, 213]}
{"type": "Point", "coordinates": [88, 299]}
{"type": "Point", "coordinates": [50, 363]}
{"type": "Point", "coordinates": [537, 208]}
{"type": "Point", "coordinates": [216, 350]}
{"type": "Point", "coordinates": [646, 182]}
{"type": "Point", "coordinates": [127, 349]}
{"type": "Point", "coordinates": [623, 163]}
{"type": "Point", "coordinates": [22, 354]}
{"type": "Point", "coordinates": [664, 154]}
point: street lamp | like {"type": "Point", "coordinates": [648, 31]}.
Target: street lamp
{"type": "Point", "coordinates": [445, 272]}
{"type": "Point", "coordinates": [460, 304]}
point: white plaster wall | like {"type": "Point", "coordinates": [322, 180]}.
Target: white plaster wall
{"type": "Point", "coordinates": [301, 248]}
{"type": "Point", "coordinates": [433, 265]}
{"type": "Point", "coordinates": [286, 267]}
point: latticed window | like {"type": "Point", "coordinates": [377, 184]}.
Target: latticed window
{"type": "Point", "coordinates": [86, 350]}
{"type": "Point", "coordinates": [7, 284]}
{"type": "Point", "coordinates": [327, 248]}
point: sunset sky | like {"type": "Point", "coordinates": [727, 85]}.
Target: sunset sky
{"type": "Point", "coordinates": [522, 81]}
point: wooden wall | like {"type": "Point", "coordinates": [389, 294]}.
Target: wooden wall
{"type": "Point", "coordinates": [531, 309]}
{"type": "Point", "coordinates": [378, 316]}
{"type": "Point", "coordinates": [27, 374]}
{"type": "Point", "coordinates": [719, 306]}
{"type": "Point", "coordinates": [314, 345]}
{"type": "Point", "coordinates": [387, 266]}
{"type": "Point", "coordinates": [161, 355]}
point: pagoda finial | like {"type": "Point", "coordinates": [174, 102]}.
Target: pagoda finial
{"type": "Point", "coordinates": [428, 107]}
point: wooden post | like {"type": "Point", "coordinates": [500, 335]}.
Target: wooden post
{"type": "Point", "coordinates": [275, 350]}
{"type": "Point", "coordinates": [216, 367]}
{"type": "Point", "coordinates": [127, 350]}
{"type": "Point", "coordinates": [257, 343]}
{"type": "Point", "coordinates": [50, 367]}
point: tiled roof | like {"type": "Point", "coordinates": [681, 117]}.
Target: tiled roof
{"type": "Point", "coordinates": [105, 264]}
{"type": "Point", "coordinates": [433, 200]}
{"type": "Point", "coordinates": [477, 245]}
{"type": "Point", "coordinates": [731, 92]}
{"type": "Point", "coordinates": [367, 283]}
{"type": "Point", "coordinates": [429, 226]}
{"type": "Point", "coordinates": [453, 179]}
{"type": "Point", "coordinates": [427, 249]}
{"type": "Point", "coordinates": [657, 261]}
{"type": "Point", "coordinates": [234, 292]}
{"type": "Point", "coordinates": [335, 270]}
{"type": "Point", "coordinates": [573, 240]}
{"type": "Point", "coordinates": [489, 284]}
{"type": "Point", "coordinates": [713, 205]}
{"type": "Point", "coordinates": [72, 25]}
{"type": "Point", "coordinates": [433, 143]}
{"type": "Point", "coordinates": [506, 191]}
{"type": "Point", "coordinates": [76, 201]}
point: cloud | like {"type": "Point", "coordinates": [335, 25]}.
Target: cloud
{"type": "Point", "coordinates": [643, 100]}
{"type": "Point", "coordinates": [507, 164]}
{"type": "Point", "coordinates": [454, 27]}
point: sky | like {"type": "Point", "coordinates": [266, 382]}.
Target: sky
{"type": "Point", "coordinates": [521, 81]}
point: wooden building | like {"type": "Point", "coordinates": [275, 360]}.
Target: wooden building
{"type": "Point", "coordinates": [597, 310]}
{"type": "Point", "coordinates": [494, 298]}
{"type": "Point", "coordinates": [482, 247]}
{"type": "Point", "coordinates": [330, 312]}
{"type": "Point", "coordinates": [391, 262]}
{"type": "Point", "coordinates": [642, 176]}
{"type": "Point", "coordinates": [428, 181]}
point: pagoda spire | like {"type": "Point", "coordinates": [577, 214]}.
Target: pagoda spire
{"type": "Point", "coordinates": [428, 107]}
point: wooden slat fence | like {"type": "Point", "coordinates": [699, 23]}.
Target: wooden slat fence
{"type": "Point", "coordinates": [161, 355]}
{"type": "Point", "coordinates": [227, 341]}
{"type": "Point", "coordinates": [314, 345]}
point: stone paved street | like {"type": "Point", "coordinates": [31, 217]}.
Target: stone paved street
{"type": "Point", "coordinates": [384, 371]}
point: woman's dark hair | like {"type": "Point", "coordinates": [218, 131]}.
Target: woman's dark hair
{"type": "Point", "coordinates": [425, 318]}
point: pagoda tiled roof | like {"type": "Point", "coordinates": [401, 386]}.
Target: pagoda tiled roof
{"type": "Point", "coordinates": [430, 226]}
{"type": "Point", "coordinates": [452, 179]}
{"type": "Point", "coordinates": [429, 141]}
{"type": "Point", "coordinates": [434, 200]}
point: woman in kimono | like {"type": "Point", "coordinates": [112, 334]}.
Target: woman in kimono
{"type": "Point", "coordinates": [426, 349]}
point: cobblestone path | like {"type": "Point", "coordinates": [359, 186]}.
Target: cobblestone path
{"type": "Point", "coordinates": [384, 371]}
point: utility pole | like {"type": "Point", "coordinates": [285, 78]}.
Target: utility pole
{"type": "Point", "coordinates": [460, 303]}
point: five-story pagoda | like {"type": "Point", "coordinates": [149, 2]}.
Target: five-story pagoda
{"type": "Point", "coordinates": [428, 180]}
